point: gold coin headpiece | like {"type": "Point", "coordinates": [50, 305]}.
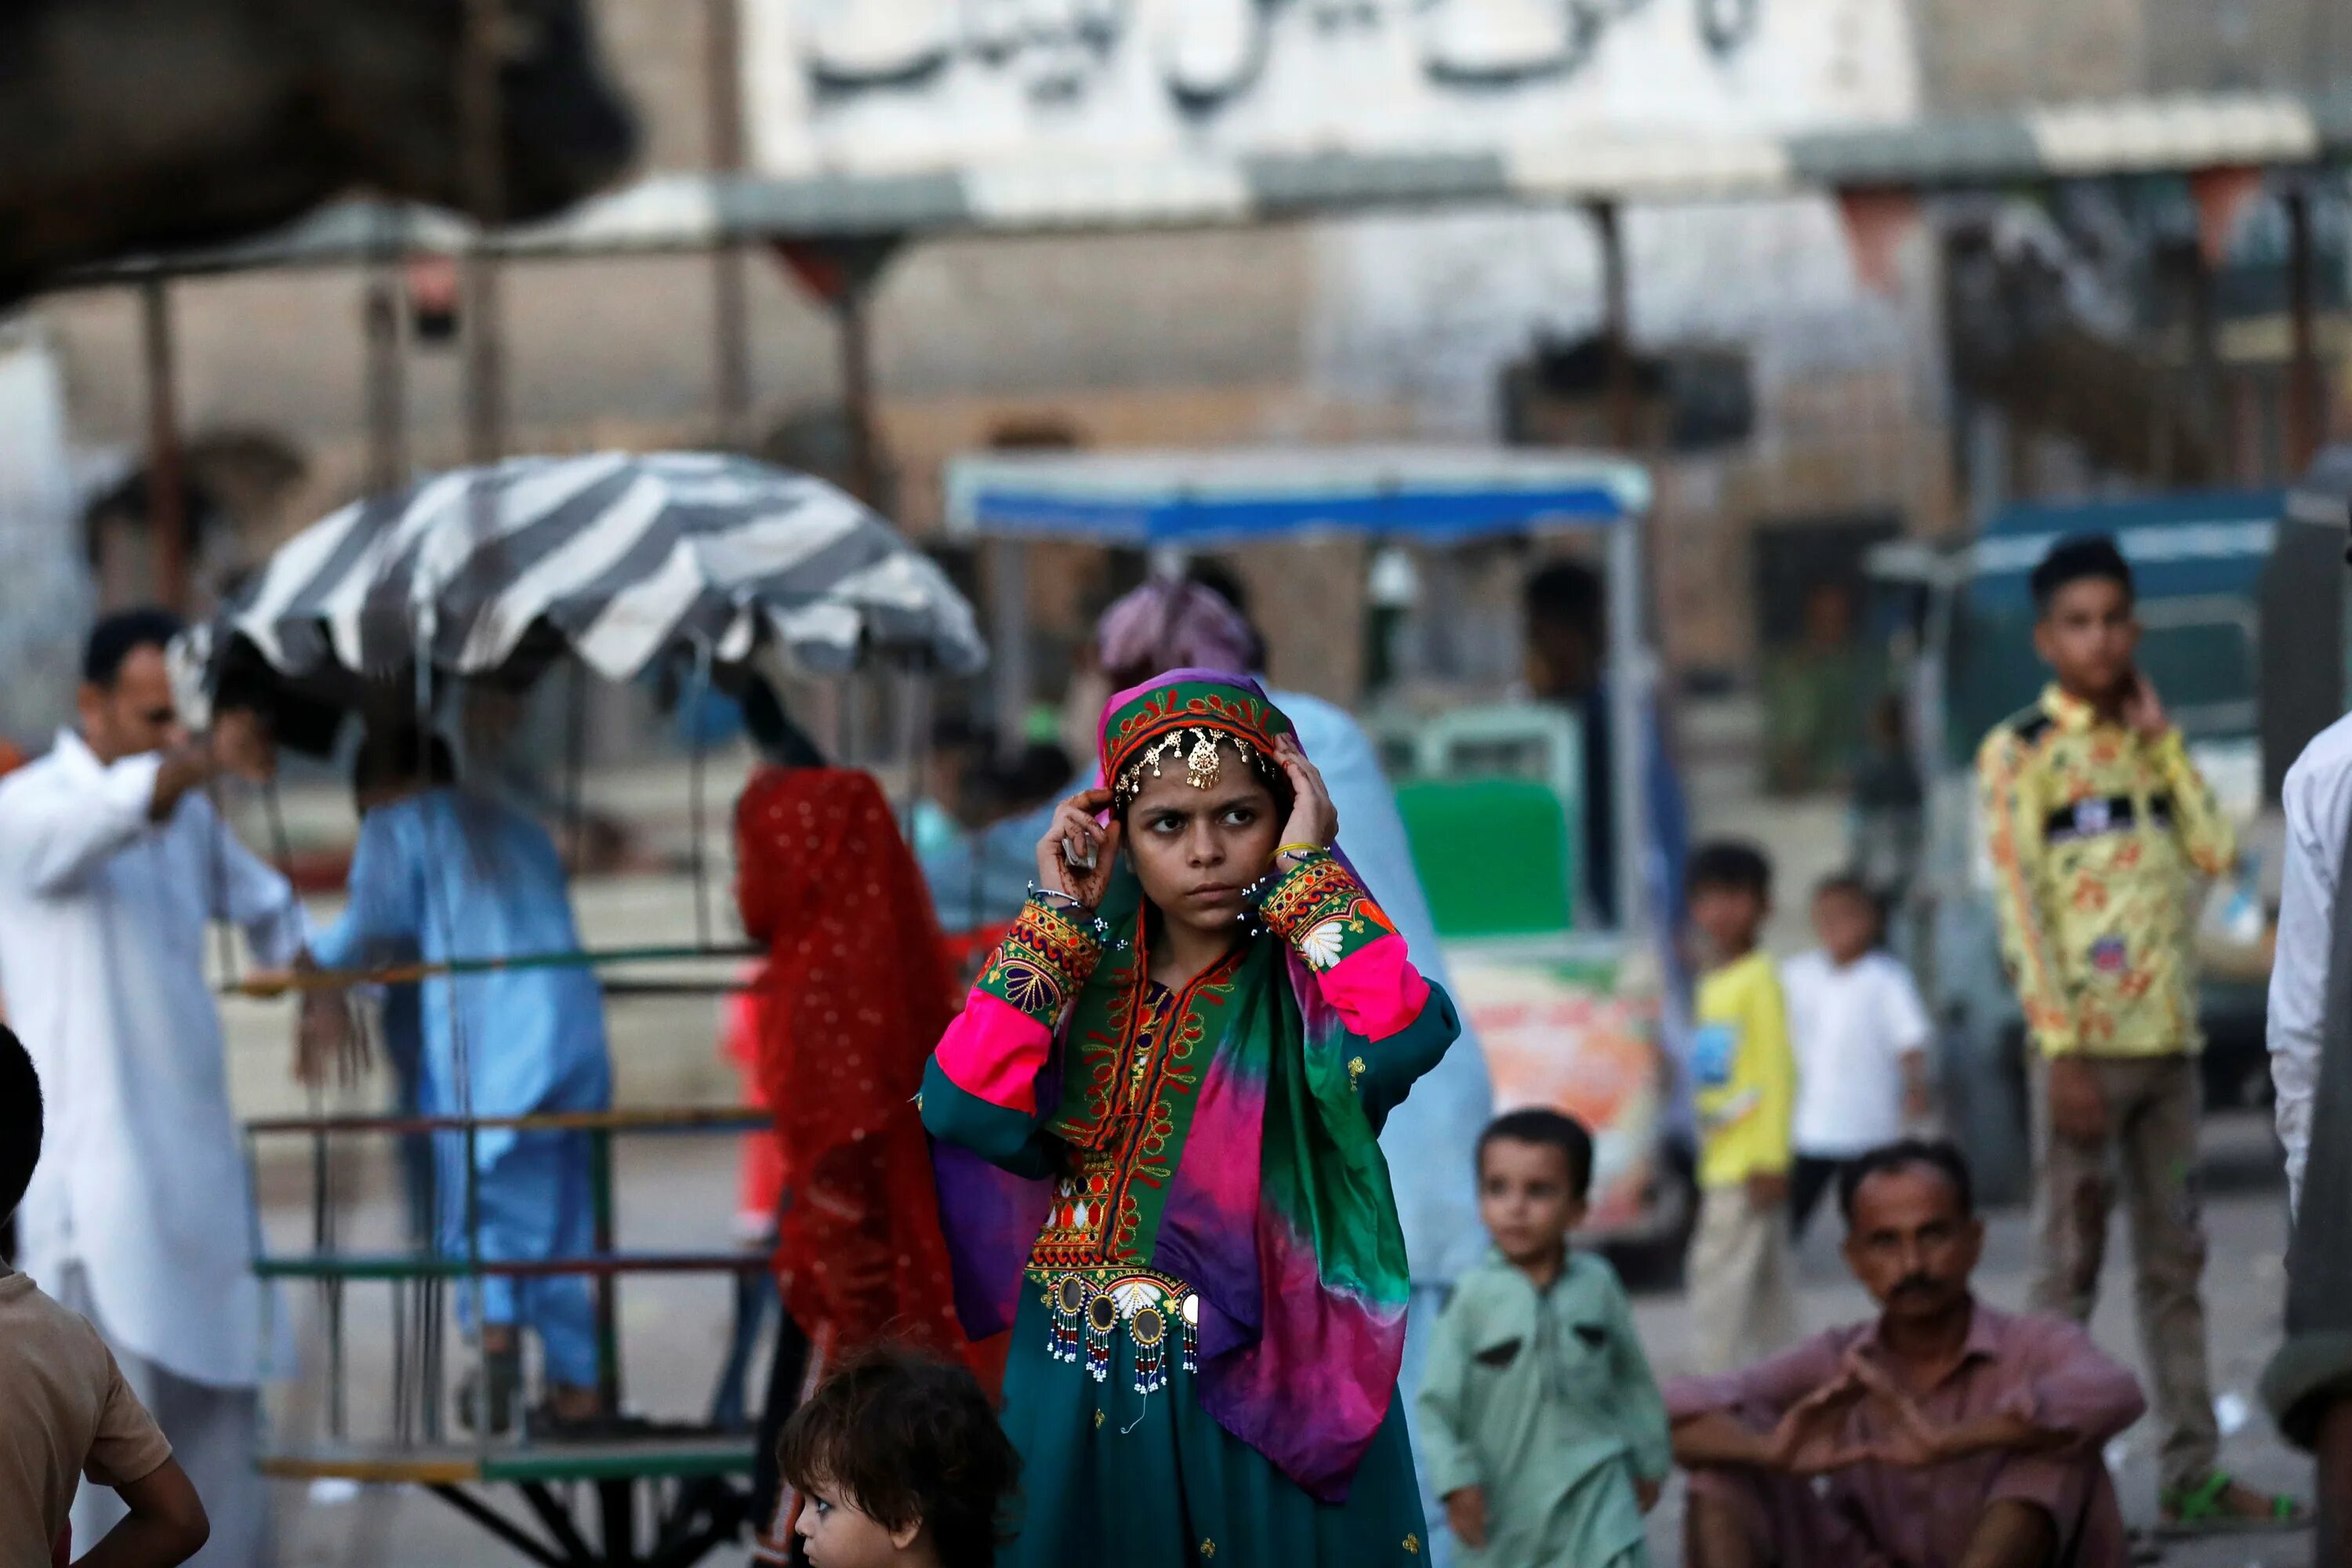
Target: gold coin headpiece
{"type": "Point", "coordinates": [1198, 749]}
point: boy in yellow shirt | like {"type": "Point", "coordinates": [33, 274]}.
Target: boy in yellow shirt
{"type": "Point", "coordinates": [1745, 1077]}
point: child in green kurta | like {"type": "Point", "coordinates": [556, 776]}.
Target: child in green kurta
{"type": "Point", "coordinates": [1544, 1431]}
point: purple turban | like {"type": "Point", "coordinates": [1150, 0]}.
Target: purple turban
{"type": "Point", "coordinates": [1176, 625]}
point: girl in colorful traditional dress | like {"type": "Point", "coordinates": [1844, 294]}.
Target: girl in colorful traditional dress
{"type": "Point", "coordinates": [1157, 1121]}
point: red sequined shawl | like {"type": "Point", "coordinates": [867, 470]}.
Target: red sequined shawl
{"type": "Point", "coordinates": [855, 992]}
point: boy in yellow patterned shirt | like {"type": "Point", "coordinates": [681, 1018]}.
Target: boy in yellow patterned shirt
{"type": "Point", "coordinates": [2099, 828]}
{"type": "Point", "coordinates": [1744, 1083]}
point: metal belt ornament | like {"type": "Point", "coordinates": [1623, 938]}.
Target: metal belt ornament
{"type": "Point", "coordinates": [1088, 1309]}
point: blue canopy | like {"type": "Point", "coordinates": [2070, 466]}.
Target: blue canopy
{"type": "Point", "coordinates": [1204, 499]}
{"type": "Point", "coordinates": [2209, 541]}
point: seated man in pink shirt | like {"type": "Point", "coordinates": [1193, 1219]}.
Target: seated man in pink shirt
{"type": "Point", "coordinates": [1945, 1434]}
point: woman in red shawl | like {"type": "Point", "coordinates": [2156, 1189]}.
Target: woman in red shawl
{"type": "Point", "coordinates": [855, 992]}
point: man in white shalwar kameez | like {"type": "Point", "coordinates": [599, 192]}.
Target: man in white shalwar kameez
{"type": "Point", "coordinates": [142, 1215]}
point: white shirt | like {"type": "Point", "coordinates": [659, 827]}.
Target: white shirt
{"type": "Point", "coordinates": [1851, 1028]}
{"type": "Point", "coordinates": [2317, 800]}
{"type": "Point", "coordinates": [142, 1179]}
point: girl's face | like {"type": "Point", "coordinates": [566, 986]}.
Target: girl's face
{"type": "Point", "coordinates": [1195, 850]}
{"type": "Point", "coordinates": [839, 1536]}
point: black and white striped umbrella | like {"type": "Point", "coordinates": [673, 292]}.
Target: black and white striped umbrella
{"type": "Point", "coordinates": [619, 558]}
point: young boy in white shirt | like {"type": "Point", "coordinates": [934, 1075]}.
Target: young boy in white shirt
{"type": "Point", "coordinates": [1861, 1036]}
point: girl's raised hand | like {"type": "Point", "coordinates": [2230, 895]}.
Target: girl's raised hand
{"type": "Point", "coordinates": [1074, 856]}
{"type": "Point", "coordinates": [1313, 818]}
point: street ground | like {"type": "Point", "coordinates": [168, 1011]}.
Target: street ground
{"type": "Point", "coordinates": [676, 1193]}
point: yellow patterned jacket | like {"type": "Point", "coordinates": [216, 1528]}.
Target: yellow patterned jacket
{"type": "Point", "coordinates": [2098, 836]}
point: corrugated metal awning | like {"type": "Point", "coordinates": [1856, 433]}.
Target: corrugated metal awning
{"type": "Point", "coordinates": [676, 212]}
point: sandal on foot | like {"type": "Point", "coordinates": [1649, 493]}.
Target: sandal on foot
{"type": "Point", "coordinates": [2199, 1510]}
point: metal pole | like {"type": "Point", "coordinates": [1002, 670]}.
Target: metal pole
{"type": "Point", "coordinates": [914, 744]}
{"type": "Point", "coordinates": [842, 275]}
{"type": "Point", "coordinates": [846, 731]}
{"type": "Point", "coordinates": [1008, 593]}
{"type": "Point", "coordinates": [387, 381]}
{"type": "Point", "coordinates": [480, 126]}
{"type": "Point", "coordinates": [1616, 329]}
{"type": "Point", "coordinates": [2303, 361]}
{"type": "Point", "coordinates": [1629, 692]}
{"type": "Point", "coordinates": [1623, 415]}
{"type": "Point", "coordinates": [608, 1306]}
{"type": "Point", "coordinates": [166, 484]}
{"type": "Point", "coordinates": [857, 386]}
{"type": "Point", "coordinates": [575, 768]}
{"type": "Point", "coordinates": [2207, 407]}
{"type": "Point", "coordinates": [696, 702]}
{"type": "Point", "coordinates": [730, 344]}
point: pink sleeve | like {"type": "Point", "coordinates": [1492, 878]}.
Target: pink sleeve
{"type": "Point", "coordinates": [1376, 988]}
{"type": "Point", "coordinates": [993, 1051]}
{"type": "Point", "coordinates": [1320, 908]}
{"type": "Point", "coordinates": [1759, 1393]}
{"type": "Point", "coordinates": [2077, 1388]}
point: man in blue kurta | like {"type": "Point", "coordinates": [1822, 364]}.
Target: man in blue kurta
{"type": "Point", "coordinates": [441, 874]}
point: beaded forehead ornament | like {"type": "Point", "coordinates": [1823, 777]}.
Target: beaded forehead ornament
{"type": "Point", "coordinates": [1203, 760]}
{"type": "Point", "coordinates": [1188, 720]}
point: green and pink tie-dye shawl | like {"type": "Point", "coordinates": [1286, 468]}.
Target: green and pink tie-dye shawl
{"type": "Point", "coordinates": [1278, 1209]}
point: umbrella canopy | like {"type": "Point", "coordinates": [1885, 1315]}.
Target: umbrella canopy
{"type": "Point", "coordinates": [621, 560]}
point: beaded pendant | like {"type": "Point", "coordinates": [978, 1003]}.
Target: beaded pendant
{"type": "Point", "coordinates": [1149, 1329]}
{"type": "Point", "coordinates": [1069, 1308]}
{"type": "Point", "coordinates": [1102, 1318]}
{"type": "Point", "coordinates": [1163, 1321]}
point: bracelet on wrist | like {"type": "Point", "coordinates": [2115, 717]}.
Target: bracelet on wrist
{"type": "Point", "coordinates": [1066, 907]}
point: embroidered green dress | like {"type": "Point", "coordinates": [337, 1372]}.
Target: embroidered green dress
{"type": "Point", "coordinates": [1119, 1462]}
{"type": "Point", "coordinates": [1207, 1185]}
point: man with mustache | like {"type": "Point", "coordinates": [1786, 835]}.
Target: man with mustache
{"type": "Point", "coordinates": [1947, 1434]}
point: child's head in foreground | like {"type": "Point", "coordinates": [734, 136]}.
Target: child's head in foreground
{"type": "Point", "coordinates": [1729, 886]}
{"type": "Point", "coordinates": [1535, 1170]}
{"type": "Point", "coordinates": [20, 1121]}
{"type": "Point", "coordinates": [901, 1463]}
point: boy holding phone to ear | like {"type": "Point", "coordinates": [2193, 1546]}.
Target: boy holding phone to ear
{"type": "Point", "coordinates": [2099, 827]}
